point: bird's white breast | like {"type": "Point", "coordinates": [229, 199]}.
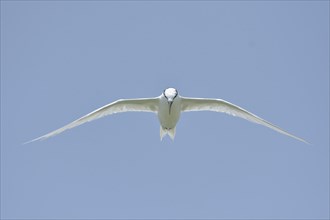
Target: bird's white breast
{"type": "Point", "coordinates": [168, 118]}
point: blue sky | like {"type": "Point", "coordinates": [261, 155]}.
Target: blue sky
{"type": "Point", "coordinates": [61, 60]}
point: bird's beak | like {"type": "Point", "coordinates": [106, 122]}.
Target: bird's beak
{"type": "Point", "coordinates": [170, 102]}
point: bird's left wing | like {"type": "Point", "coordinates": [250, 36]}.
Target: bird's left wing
{"type": "Point", "coordinates": [219, 105]}
{"type": "Point", "coordinates": [121, 105]}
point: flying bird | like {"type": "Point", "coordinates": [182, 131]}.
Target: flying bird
{"type": "Point", "coordinates": [168, 107]}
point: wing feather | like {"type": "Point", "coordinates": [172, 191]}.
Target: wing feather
{"type": "Point", "coordinates": [219, 105]}
{"type": "Point", "coordinates": [122, 105]}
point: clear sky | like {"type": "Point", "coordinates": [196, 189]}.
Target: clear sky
{"type": "Point", "coordinates": [61, 60]}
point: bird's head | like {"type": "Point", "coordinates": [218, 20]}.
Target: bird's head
{"type": "Point", "coordinates": [170, 94]}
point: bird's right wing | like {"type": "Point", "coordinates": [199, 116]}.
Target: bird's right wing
{"type": "Point", "coordinates": [122, 105]}
{"type": "Point", "coordinates": [219, 105]}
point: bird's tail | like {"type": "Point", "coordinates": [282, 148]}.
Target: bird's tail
{"type": "Point", "coordinates": [170, 132]}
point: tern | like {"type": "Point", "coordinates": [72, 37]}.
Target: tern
{"type": "Point", "coordinates": [168, 107]}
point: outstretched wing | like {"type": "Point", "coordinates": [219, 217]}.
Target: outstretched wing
{"type": "Point", "coordinates": [219, 105]}
{"type": "Point", "coordinates": [122, 105]}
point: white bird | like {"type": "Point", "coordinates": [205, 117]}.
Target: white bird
{"type": "Point", "coordinates": [168, 106]}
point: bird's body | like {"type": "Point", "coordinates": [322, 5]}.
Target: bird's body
{"type": "Point", "coordinates": [168, 107]}
{"type": "Point", "coordinates": [169, 112]}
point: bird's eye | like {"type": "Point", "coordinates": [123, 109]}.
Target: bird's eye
{"type": "Point", "coordinates": [176, 93]}
{"type": "Point", "coordinates": [164, 93]}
